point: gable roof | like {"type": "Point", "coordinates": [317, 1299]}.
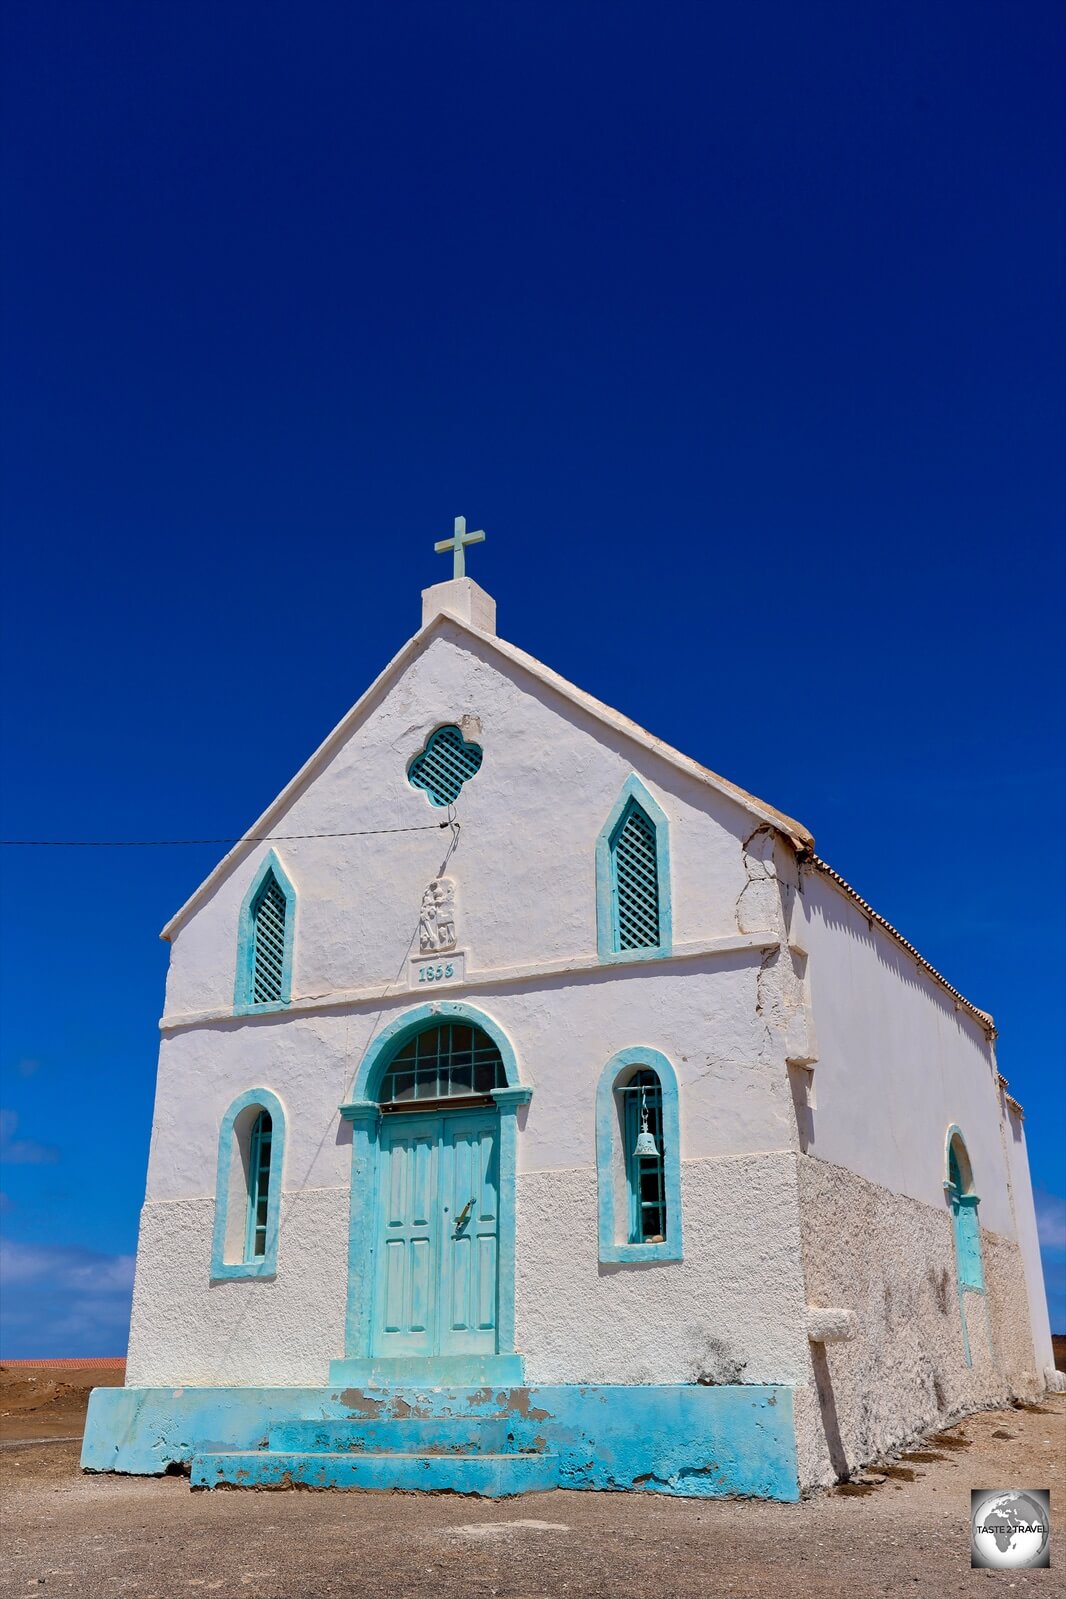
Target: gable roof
{"type": "Point", "coordinates": [259, 831]}
{"type": "Point", "coordinates": [800, 837]}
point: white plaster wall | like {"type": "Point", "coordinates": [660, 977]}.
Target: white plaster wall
{"type": "Point", "coordinates": [700, 1013]}
{"type": "Point", "coordinates": [891, 1260]}
{"type": "Point", "coordinates": [1013, 1129]}
{"type": "Point", "coordinates": [731, 1311]}
{"type": "Point", "coordinates": [897, 1063]}
{"type": "Point", "coordinates": [526, 860]}
{"type": "Point", "coordinates": [741, 1272]}
{"type": "Point", "coordinates": [268, 1333]}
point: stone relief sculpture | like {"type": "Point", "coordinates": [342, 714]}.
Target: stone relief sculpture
{"type": "Point", "coordinates": [436, 920]}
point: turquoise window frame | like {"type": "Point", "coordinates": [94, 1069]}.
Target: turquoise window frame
{"type": "Point", "coordinates": [243, 1003]}
{"type": "Point", "coordinates": [363, 1111]}
{"type": "Point", "coordinates": [607, 938]}
{"type": "Point", "coordinates": [265, 1265]}
{"type": "Point", "coordinates": [966, 1223]}
{"type": "Point", "coordinates": [611, 1159]}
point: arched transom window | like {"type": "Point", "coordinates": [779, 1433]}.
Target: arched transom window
{"type": "Point", "coordinates": [448, 1061]}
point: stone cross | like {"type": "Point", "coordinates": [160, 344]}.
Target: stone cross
{"type": "Point", "coordinates": [457, 544]}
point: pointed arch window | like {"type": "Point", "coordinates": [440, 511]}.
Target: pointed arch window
{"type": "Point", "coordinates": [251, 1151]}
{"type": "Point", "coordinates": [265, 941]}
{"type": "Point", "coordinates": [633, 912]}
{"type": "Point", "coordinates": [638, 1158]}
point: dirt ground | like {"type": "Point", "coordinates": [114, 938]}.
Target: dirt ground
{"type": "Point", "coordinates": [107, 1537]}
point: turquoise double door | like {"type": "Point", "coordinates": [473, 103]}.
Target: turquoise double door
{"type": "Point", "coordinates": [438, 1234]}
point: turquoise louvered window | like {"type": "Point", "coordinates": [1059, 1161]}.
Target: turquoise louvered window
{"type": "Point", "coordinates": [255, 1246]}
{"type": "Point", "coordinates": [268, 942]}
{"type": "Point", "coordinates": [635, 874]}
{"type": "Point", "coordinates": [445, 764]}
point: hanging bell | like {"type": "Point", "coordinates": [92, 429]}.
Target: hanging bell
{"type": "Point", "coordinates": [645, 1144]}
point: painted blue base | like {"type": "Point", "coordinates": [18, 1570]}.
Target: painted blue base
{"type": "Point", "coordinates": [436, 1371]}
{"type": "Point", "coordinates": [675, 1439]}
{"type": "Point", "coordinates": [488, 1476]}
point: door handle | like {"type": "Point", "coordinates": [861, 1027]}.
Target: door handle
{"type": "Point", "coordinates": [463, 1214]}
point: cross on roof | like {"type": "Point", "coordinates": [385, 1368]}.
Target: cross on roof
{"type": "Point", "coordinates": [457, 544]}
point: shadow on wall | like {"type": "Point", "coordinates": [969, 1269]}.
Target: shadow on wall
{"type": "Point", "coordinates": [801, 1083]}
{"type": "Point", "coordinates": [828, 1406]}
{"type": "Point", "coordinates": [841, 915]}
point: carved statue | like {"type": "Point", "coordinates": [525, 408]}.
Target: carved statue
{"type": "Point", "coordinates": [436, 920]}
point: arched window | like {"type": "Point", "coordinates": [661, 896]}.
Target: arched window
{"type": "Point", "coordinates": [642, 1117]}
{"type": "Point", "coordinates": [449, 1061]}
{"type": "Point", "coordinates": [251, 1148]}
{"type": "Point", "coordinates": [638, 1158]}
{"type": "Point", "coordinates": [633, 878]}
{"type": "Point", "coordinates": [258, 1187]}
{"type": "Point", "coordinates": [966, 1223]}
{"type": "Point", "coordinates": [265, 940]}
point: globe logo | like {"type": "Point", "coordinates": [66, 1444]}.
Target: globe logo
{"type": "Point", "coordinates": [1010, 1528]}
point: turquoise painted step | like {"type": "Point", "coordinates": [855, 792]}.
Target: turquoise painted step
{"type": "Point", "coordinates": [409, 1435]}
{"type": "Point", "coordinates": [487, 1475]}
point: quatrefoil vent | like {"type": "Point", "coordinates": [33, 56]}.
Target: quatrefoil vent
{"type": "Point", "coordinates": [444, 765]}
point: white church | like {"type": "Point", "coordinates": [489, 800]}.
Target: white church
{"type": "Point", "coordinates": [536, 1108]}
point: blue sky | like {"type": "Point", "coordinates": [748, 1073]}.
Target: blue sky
{"type": "Point", "coordinates": [740, 330]}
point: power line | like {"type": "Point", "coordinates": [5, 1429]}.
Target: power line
{"type": "Point", "coordinates": [166, 843]}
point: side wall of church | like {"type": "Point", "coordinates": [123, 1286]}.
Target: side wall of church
{"type": "Point", "coordinates": [897, 1064]}
{"type": "Point", "coordinates": [891, 1259]}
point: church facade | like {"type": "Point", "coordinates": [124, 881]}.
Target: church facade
{"type": "Point", "coordinates": [536, 1108]}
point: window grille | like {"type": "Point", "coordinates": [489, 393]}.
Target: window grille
{"type": "Point", "coordinates": [645, 1174]}
{"type": "Point", "coordinates": [258, 1186]}
{"type": "Point", "coordinates": [451, 1061]}
{"type": "Point", "coordinates": [268, 955]}
{"type": "Point", "coordinates": [445, 765]}
{"type": "Point", "coordinates": [636, 881]}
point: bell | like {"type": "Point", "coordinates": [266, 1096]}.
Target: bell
{"type": "Point", "coordinates": [645, 1144]}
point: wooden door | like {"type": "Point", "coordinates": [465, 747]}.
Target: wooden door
{"type": "Point", "coordinates": [438, 1208]}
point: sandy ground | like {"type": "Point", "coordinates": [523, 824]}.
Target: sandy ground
{"type": "Point", "coordinates": [106, 1537]}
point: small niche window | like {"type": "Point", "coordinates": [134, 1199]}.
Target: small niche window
{"type": "Point", "coordinates": [638, 1158]}
{"type": "Point", "coordinates": [265, 940]}
{"type": "Point", "coordinates": [251, 1152]}
{"type": "Point", "coordinates": [965, 1221]}
{"type": "Point", "coordinates": [258, 1187]}
{"type": "Point", "coordinates": [642, 1117]}
{"type": "Point", "coordinates": [450, 1061]}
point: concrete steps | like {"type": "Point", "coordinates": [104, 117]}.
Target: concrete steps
{"type": "Point", "coordinates": [409, 1435]}
{"type": "Point", "coordinates": [492, 1476]}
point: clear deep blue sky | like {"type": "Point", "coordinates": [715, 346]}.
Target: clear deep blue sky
{"type": "Point", "coordinates": [739, 328]}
